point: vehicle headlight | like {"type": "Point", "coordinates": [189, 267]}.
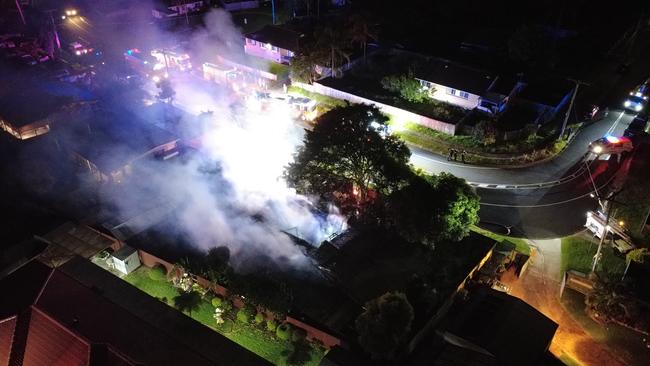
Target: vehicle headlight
{"type": "Point", "coordinates": [597, 149]}
{"type": "Point", "coordinates": [627, 103]}
{"type": "Point", "coordinates": [638, 107]}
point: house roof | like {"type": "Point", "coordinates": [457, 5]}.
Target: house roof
{"type": "Point", "coordinates": [455, 76]}
{"type": "Point", "coordinates": [124, 252]}
{"type": "Point", "coordinates": [278, 36]}
{"type": "Point", "coordinates": [102, 318]}
{"type": "Point", "coordinates": [21, 109]}
{"type": "Point", "coordinates": [110, 140]}
{"type": "Point", "coordinates": [505, 326]}
{"type": "Point", "coordinates": [546, 92]}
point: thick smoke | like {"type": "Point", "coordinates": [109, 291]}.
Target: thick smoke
{"type": "Point", "coordinates": [232, 193]}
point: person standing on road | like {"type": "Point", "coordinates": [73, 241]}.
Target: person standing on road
{"type": "Point", "coordinates": [450, 151]}
{"type": "Point", "coordinates": [462, 155]}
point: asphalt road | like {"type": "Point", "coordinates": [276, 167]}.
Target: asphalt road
{"type": "Point", "coordinates": [510, 196]}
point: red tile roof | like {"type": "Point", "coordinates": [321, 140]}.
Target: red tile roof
{"type": "Point", "coordinates": [7, 327]}
{"type": "Point", "coordinates": [52, 344]}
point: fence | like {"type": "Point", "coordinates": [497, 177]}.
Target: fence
{"type": "Point", "coordinates": [313, 333]}
{"type": "Point", "coordinates": [399, 113]}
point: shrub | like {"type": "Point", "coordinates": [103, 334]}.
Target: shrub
{"type": "Point", "coordinates": [243, 316]}
{"type": "Point", "coordinates": [271, 325]}
{"type": "Point", "coordinates": [283, 331]}
{"type": "Point", "coordinates": [298, 334]}
{"type": "Point", "coordinates": [217, 301]}
{"type": "Point", "coordinates": [158, 273]}
{"type": "Point", "coordinates": [259, 318]}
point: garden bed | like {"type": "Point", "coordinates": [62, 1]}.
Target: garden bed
{"type": "Point", "coordinates": [253, 337]}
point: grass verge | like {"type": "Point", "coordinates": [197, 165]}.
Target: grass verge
{"type": "Point", "coordinates": [521, 245]}
{"type": "Point", "coordinates": [578, 252]}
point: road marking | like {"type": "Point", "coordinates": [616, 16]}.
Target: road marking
{"type": "Point", "coordinates": [552, 203]}
{"type": "Point", "coordinates": [611, 129]}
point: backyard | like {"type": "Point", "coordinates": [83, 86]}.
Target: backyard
{"type": "Point", "coordinates": [253, 337]}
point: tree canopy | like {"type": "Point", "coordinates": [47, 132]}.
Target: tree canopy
{"type": "Point", "coordinates": [347, 154]}
{"type": "Point", "coordinates": [433, 208]}
{"type": "Point", "coordinates": [385, 324]}
{"type": "Point", "coordinates": [407, 87]}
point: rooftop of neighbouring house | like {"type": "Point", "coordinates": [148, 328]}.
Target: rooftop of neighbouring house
{"type": "Point", "coordinates": [549, 92]}
{"type": "Point", "coordinates": [278, 36]}
{"type": "Point", "coordinates": [455, 76]}
{"type": "Point", "coordinates": [28, 106]}
{"type": "Point", "coordinates": [81, 314]}
{"type": "Point", "coordinates": [112, 139]}
{"type": "Point", "coordinates": [512, 331]}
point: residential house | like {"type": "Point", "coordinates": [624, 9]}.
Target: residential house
{"type": "Point", "coordinates": [235, 5]}
{"type": "Point", "coordinates": [546, 97]}
{"type": "Point", "coordinates": [29, 114]}
{"type": "Point", "coordinates": [171, 8]}
{"type": "Point", "coordinates": [79, 314]}
{"type": "Point", "coordinates": [109, 144]}
{"type": "Point", "coordinates": [274, 43]}
{"type": "Point", "coordinates": [495, 99]}
{"type": "Point", "coordinates": [490, 328]}
{"type": "Point", "coordinates": [453, 83]}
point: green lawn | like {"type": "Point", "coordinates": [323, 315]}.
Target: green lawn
{"type": "Point", "coordinates": [158, 289]}
{"type": "Point", "coordinates": [578, 252]}
{"type": "Point", "coordinates": [263, 343]}
{"type": "Point", "coordinates": [521, 245]}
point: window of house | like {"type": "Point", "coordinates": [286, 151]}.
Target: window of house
{"type": "Point", "coordinates": [452, 91]}
{"type": "Point", "coordinates": [464, 95]}
{"type": "Point", "coordinates": [290, 53]}
{"type": "Point", "coordinates": [274, 49]}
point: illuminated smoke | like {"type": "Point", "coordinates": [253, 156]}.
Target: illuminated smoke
{"type": "Point", "coordinates": [246, 206]}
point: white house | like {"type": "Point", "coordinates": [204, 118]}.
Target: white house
{"type": "Point", "coordinates": [175, 8]}
{"type": "Point", "coordinates": [273, 43]}
{"type": "Point", "coordinates": [126, 259]}
{"type": "Point", "coordinates": [455, 84]}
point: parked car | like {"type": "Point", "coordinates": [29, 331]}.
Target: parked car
{"type": "Point", "coordinates": [611, 145]}
{"type": "Point", "coordinates": [635, 102]}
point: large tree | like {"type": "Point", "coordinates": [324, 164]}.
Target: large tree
{"type": "Point", "coordinates": [361, 30]}
{"type": "Point", "coordinates": [433, 208]}
{"type": "Point", "coordinates": [384, 324]}
{"type": "Point", "coordinates": [460, 206]}
{"type": "Point", "coordinates": [347, 154]}
{"type": "Point", "coordinates": [407, 87]}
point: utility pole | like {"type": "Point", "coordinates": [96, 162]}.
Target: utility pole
{"type": "Point", "coordinates": [273, 10]}
{"type": "Point", "coordinates": [20, 11]}
{"type": "Point", "coordinates": [606, 204]}
{"type": "Point", "coordinates": [568, 112]}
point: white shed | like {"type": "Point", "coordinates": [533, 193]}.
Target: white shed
{"type": "Point", "coordinates": [126, 259]}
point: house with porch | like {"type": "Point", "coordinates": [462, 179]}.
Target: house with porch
{"type": "Point", "coordinates": [274, 43]}
{"type": "Point", "coordinates": [454, 83]}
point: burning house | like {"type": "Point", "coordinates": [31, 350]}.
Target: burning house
{"type": "Point", "coordinates": [29, 114]}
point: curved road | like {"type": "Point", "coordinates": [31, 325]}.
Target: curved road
{"type": "Point", "coordinates": [509, 196]}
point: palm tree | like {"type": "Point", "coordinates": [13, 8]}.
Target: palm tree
{"type": "Point", "coordinates": [638, 255]}
{"type": "Point", "coordinates": [187, 301]}
{"type": "Point", "coordinates": [332, 39]}
{"type": "Point", "coordinates": [360, 31]}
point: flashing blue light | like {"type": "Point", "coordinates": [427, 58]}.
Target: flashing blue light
{"type": "Point", "coordinates": [129, 52]}
{"type": "Point", "coordinates": [612, 139]}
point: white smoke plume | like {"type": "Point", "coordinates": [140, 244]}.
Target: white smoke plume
{"type": "Point", "coordinates": [232, 193]}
